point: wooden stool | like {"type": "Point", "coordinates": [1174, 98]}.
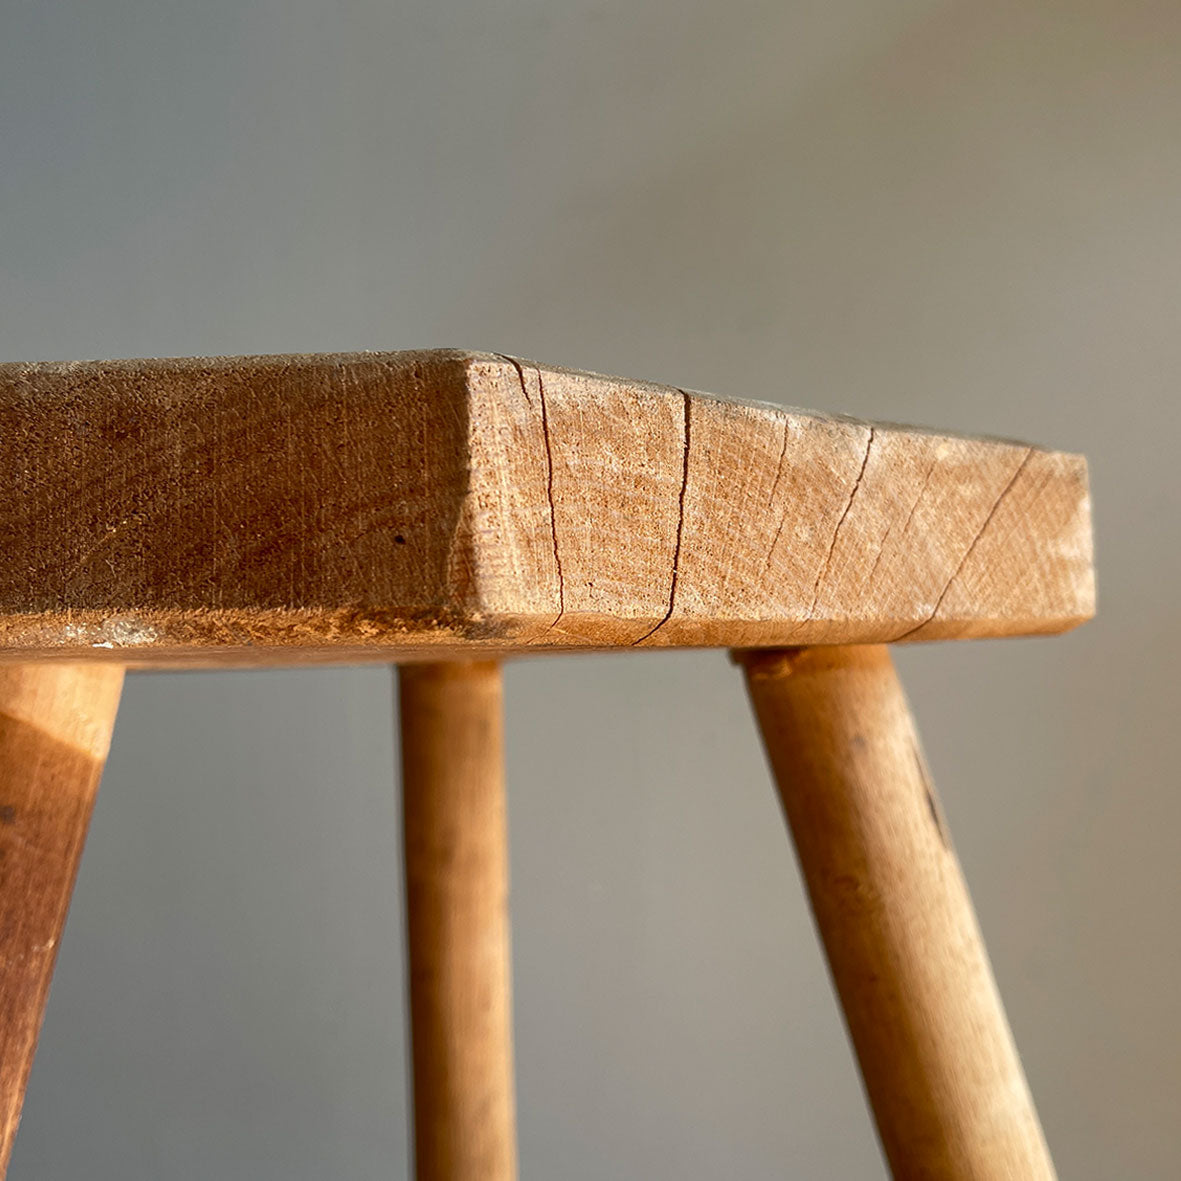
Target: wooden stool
{"type": "Point", "coordinates": [444, 510]}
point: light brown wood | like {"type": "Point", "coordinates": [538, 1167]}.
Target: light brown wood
{"type": "Point", "coordinates": [55, 729]}
{"type": "Point", "coordinates": [936, 1054]}
{"type": "Point", "coordinates": [443, 505]}
{"type": "Point", "coordinates": [457, 908]}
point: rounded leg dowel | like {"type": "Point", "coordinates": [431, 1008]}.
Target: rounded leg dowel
{"type": "Point", "coordinates": [457, 909]}
{"type": "Point", "coordinates": [937, 1058]}
{"type": "Point", "coordinates": [55, 730]}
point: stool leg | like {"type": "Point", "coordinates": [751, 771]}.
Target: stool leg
{"type": "Point", "coordinates": [457, 908]}
{"type": "Point", "coordinates": [936, 1054]}
{"type": "Point", "coordinates": [55, 730]}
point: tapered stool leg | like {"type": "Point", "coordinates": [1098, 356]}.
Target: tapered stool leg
{"type": "Point", "coordinates": [457, 908]}
{"type": "Point", "coordinates": [936, 1054]}
{"type": "Point", "coordinates": [55, 730]}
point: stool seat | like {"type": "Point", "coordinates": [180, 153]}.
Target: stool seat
{"type": "Point", "coordinates": [447, 504]}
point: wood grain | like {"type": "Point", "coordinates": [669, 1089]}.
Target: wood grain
{"type": "Point", "coordinates": [55, 729]}
{"type": "Point", "coordinates": [457, 908]}
{"type": "Point", "coordinates": [936, 1054]}
{"type": "Point", "coordinates": [440, 505]}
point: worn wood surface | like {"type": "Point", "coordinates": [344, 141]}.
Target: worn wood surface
{"type": "Point", "coordinates": [432, 505]}
{"type": "Point", "coordinates": [457, 907]}
{"type": "Point", "coordinates": [55, 729]}
{"type": "Point", "coordinates": [936, 1054]}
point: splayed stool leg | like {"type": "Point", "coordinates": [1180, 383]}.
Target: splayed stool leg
{"type": "Point", "coordinates": [55, 731]}
{"type": "Point", "coordinates": [457, 909]}
{"type": "Point", "coordinates": [903, 945]}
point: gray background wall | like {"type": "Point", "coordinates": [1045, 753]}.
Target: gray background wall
{"type": "Point", "coordinates": [949, 213]}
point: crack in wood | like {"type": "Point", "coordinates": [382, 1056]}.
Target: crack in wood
{"type": "Point", "coordinates": [929, 791]}
{"type": "Point", "coordinates": [775, 492]}
{"type": "Point", "coordinates": [837, 531]}
{"type": "Point", "coordinates": [549, 479]}
{"type": "Point", "coordinates": [672, 590]}
{"type": "Point", "coordinates": [996, 504]}
{"type": "Point", "coordinates": [905, 524]}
